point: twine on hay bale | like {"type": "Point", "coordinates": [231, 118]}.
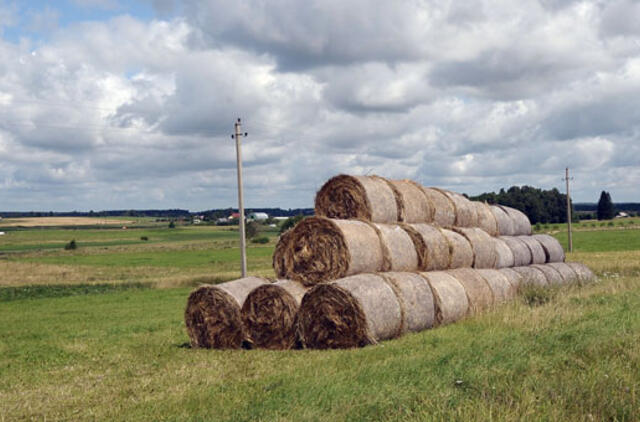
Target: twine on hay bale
{"type": "Point", "coordinates": [212, 315]}
{"type": "Point", "coordinates": [444, 211]}
{"type": "Point", "coordinates": [484, 252]}
{"type": "Point", "coordinates": [502, 289]}
{"type": "Point", "coordinates": [503, 220]}
{"type": "Point", "coordinates": [554, 278]}
{"type": "Point", "coordinates": [531, 276]}
{"type": "Point", "coordinates": [466, 215]}
{"type": "Point", "coordinates": [460, 251]}
{"type": "Point", "coordinates": [514, 277]}
{"type": "Point", "coordinates": [537, 252]}
{"type": "Point", "coordinates": [504, 254]}
{"type": "Point", "coordinates": [521, 223]}
{"type": "Point", "coordinates": [486, 220]}
{"type": "Point", "coordinates": [478, 292]}
{"type": "Point", "coordinates": [279, 254]}
{"type": "Point", "coordinates": [416, 207]}
{"type": "Point", "coordinates": [369, 198]}
{"type": "Point", "coordinates": [400, 246]}
{"type": "Point", "coordinates": [269, 314]}
{"type": "Point", "coordinates": [552, 248]}
{"type": "Point", "coordinates": [585, 275]}
{"type": "Point", "coordinates": [450, 298]}
{"type": "Point", "coordinates": [431, 246]}
{"type": "Point", "coordinates": [569, 276]}
{"type": "Point", "coordinates": [521, 252]}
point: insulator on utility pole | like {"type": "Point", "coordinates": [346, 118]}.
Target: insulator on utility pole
{"type": "Point", "coordinates": [567, 179]}
{"type": "Point", "coordinates": [243, 241]}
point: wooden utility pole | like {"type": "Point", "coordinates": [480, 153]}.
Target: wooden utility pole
{"type": "Point", "coordinates": [243, 248]}
{"type": "Point", "coordinates": [567, 178]}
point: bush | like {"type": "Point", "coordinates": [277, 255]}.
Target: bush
{"type": "Point", "coordinates": [251, 229]}
{"type": "Point", "coordinates": [610, 224]}
{"type": "Point", "coordinates": [593, 224]}
{"type": "Point", "coordinates": [145, 238]}
{"type": "Point", "coordinates": [71, 245]}
{"type": "Point", "coordinates": [172, 225]}
{"type": "Point", "coordinates": [290, 222]}
{"type": "Point", "coordinates": [538, 227]}
{"type": "Point", "coordinates": [261, 239]}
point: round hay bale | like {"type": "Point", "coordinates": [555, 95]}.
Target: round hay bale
{"type": "Point", "coordinates": [486, 219]}
{"type": "Point", "coordinates": [552, 248]}
{"type": "Point", "coordinates": [212, 315]}
{"type": "Point", "coordinates": [351, 312]}
{"type": "Point", "coordinates": [585, 275]}
{"type": "Point", "coordinates": [416, 299]}
{"type": "Point", "coordinates": [431, 245]}
{"type": "Point", "coordinates": [502, 289]}
{"type": "Point", "coordinates": [269, 314]}
{"type": "Point", "coordinates": [504, 221]}
{"type": "Point", "coordinates": [460, 251]}
{"type": "Point", "coordinates": [521, 223]}
{"type": "Point", "coordinates": [466, 215]}
{"type": "Point", "coordinates": [514, 277]}
{"type": "Point", "coordinates": [370, 198]}
{"type": "Point", "coordinates": [416, 207]}
{"type": "Point", "coordinates": [399, 246]}
{"type": "Point", "coordinates": [521, 252]}
{"type": "Point", "coordinates": [504, 255]}
{"type": "Point", "coordinates": [322, 249]}
{"type": "Point", "coordinates": [444, 211]}
{"type": "Point", "coordinates": [279, 254]}
{"type": "Point", "coordinates": [450, 298]}
{"type": "Point", "coordinates": [554, 278]}
{"type": "Point", "coordinates": [478, 292]}
{"type": "Point", "coordinates": [569, 276]}
{"type": "Point", "coordinates": [537, 252]}
{"type": "Point", "coordinates": [531, 276]}
{"type": "Point", "coordinates": [484, 252]}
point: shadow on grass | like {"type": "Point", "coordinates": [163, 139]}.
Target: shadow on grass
{"type": "Point", "coordinates": [8, 294]}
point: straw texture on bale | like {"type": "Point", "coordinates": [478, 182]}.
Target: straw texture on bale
{"type": "Point", "coordinates": [450, 298]}
{"type": "Point", "coordinates": [504, 255]}
{"type": "Point", "coordinates": [521, 223]}
{"type": "Point", "coordinates": [484, 252]}
{"type": "Point", "coordinates": [213, 317]}
{"type": "Point", "coordinates": [416, 299]}
{"type": "Point", "coordinates": [351, 312]}
{"type": "Point", "coordinates": [585, 275]}
{"type": "Point", "coordinates": [460, 251]}
{"type": "Point", "coordinates": [537, 252]}
{"type": "Point", "coordinates": [269, 314]}
{"type": "Point", "coordinates": [279, 254]}
{"type": "Point", "coordinates": [552, 248]}
{"type": "Point", "coordinates": [531, 276]}
{"type": "Point", "coordinates": [399, 246]}
{"type": "Point", "coordinates": [369, 198]}
{"type": "Point", "coordinates": [431, 245]}
{"type": "Point", "coordinates": [466, 215]}
{"type": "Point", "coordinates": [502, 289]}
{"type": "Point", "coordinates": [569, 276]}
{"type": "Point", "coordinates": [416, 207]}
{"type": "Point", "coordinates": [322, 249]}
{"type": "Point", "coordinates": [514, 277]}
{"type": "Point", "coordinates": [486, 220]}
{"type": "Point", "coordinates": [504, 221]}
{"type": "Point", "coordinates": [553, 276]}
{"type": "Point", "coordinates": [478, 292]}
{"type": "Point", "coordinates": [444, 211]}
{"type": "Point", "coordinates": [521, 252]}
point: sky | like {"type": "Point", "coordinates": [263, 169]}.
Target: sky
{"type": "Point", "coordinates": [114, 104]}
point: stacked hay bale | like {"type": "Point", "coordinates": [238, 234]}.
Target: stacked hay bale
{"type": "Point", "coordinates": [380, 258]}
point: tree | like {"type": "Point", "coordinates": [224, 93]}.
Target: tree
{"type": "Point", "coordinates": [605, 207]}
{"type": "Point", "coordinates": [251, 229]}
{"type": "Point", "coordinates": [290, 222]}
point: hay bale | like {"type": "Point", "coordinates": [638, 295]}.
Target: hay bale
{"type": "Point", "coordinates": [521, 252]}
{"type": "Point", "coordinates": [431, 245]}
{"type": "Point", "coordinates": [399, 246]}
{"type": "Point", "coordinates": [514, 277]}
{"type": "Point", "coordinates": [504, 255]}
{"type": "Point", "coordinates": [269, 314]}
{"type": "Point", "coordinates": [466, 215]}
{"type": "Point", "coordinates": [569, 276]}
{"type": "Point", "coordinates": [460, 251]}
{"type": "Point", "coordinates": [502, 289]}
{"type": "Point", "coordinates": [351, 312]}
{"type": "Point", "coordinates": [416, 207]}
{"type": "Point", "coordinates": [416, 298]}
{"type": "Point", "coordinates": [450, 298]}
{"type": "Point", "coordinates": [212, 315]}
{"type": "Point", "coordinates": [486, 219]}
{"type": "Point", "coordinates": [503, 220]}
{"type": "Point", "coordinates": [585, 275]}
{"type": "Point", "coordinates": [552, 248]}
{"type": "Point", "coordinates": [370, 198]}
{"type": "Point", "coordinates": [554, 278]}
{"type": "Point", "coordinates": [521, 223]}
{"type": "Point", "coordinates": [444, 211]}
{"type": "Point", "coordinates": [531, 276]}
{"type": "Point", "coordinates": [279, 254]}
{"type": "Point", "coordinates": [322, 249]}
{"type": "Point", "coordinates": [484, 252]}
{"type": "Point", "coordinates": [537, 252]}
{"type": "Point", "coordinates": [478, 292]}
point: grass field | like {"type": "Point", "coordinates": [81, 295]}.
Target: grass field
{"type": "Point", "coordinates": [63, 221]}
{"type": "Point", "coordinates": [107, 345]}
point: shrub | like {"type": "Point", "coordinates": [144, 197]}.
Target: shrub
{"type": "Point", "coordinates": [538, 227]}
{"type": "Point", "coordinates": [261, 239]}
{"type": "Point", "coordinates": [251, 229]}
{"type": "Point", "coordinates": [71, 245]}
{"type": "Point", "coordinates": [631, 222]}
{"type": "Point", "coordinates": [145, 238]}
{"type": "Point", "coordinates": [593, 224]}
{"type": "Point", "coordinates": [610, 224]}
{"type": "Point", "coordinates": [172, 225]}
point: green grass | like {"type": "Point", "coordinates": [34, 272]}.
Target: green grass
{"type": "Point", "coordinates": [8, 294]}
{"type": "Point", "coordinates": [602, 241]}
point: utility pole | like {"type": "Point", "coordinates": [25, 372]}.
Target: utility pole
{"type": "Point", "coordinates": [243, 251]}
{"type": "Point", "coordinates": [567, 178]}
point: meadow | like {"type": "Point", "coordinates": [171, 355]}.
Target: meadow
{"type": "Point", "coordinates": [97, 333]}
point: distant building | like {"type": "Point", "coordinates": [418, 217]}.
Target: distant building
{"type": "Point", "coordinates": [622, 214]}
{"type": "Point", "coordinates": [259, 216]}
{"type": "Point", "coordinates": [222, 220]}
{"type": "Point", "coordinates": [280, 218]}
{"type": "Point", "coordinates": [234, 216]}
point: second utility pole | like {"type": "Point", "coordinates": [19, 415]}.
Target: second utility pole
{"type": "Point", "coordinates": [566, 178]}
{"type": "Point", "coordinates": [243, 240]}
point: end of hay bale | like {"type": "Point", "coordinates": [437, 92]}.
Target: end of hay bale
{"type": "Point", "coordinates": [279, 254]}
{"type": "Point", "coordinates": [460, 250]}
{"type": "Point", "coordinates": [484, 253]}
{"type": "Point", "coordinates": [521, 223]}
{"type": "Point", "coordinates": [344, 197]}
{"type": "Point", "coordinates": [585, 275]}
{"type": "Point", "coordinates": [478, 291]}
{"type": "Point", "coordinates": [531, 276]}
{"type": "Point", "coordinates": [450, 298]}
{"type": "Point", "coordinates": [416, 207]}
{"type": "Point", "coordinates": [552, 248]}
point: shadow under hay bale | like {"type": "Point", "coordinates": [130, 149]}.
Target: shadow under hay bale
{"type": "Point", "coordinates": [502, 289]}
{"type": "Point", "coordinates": [521, 252]}
{"type": "Point", "coordinates": [399, 247]}
{"type": "Point", "coordinates": [569, 276]}
{"type": "Point", "coordinates": [431, 246]}
{"type": "Point", "coordinates": [486, 220]}
{"type": "Point", "coordinates": [504, 255]}
{"type": "Point", "coordinates": [552, 248]}
{"type": "Point", "coordinates": [279, 254]}
{"type": "Point", "coordinates": [416, 207]}
{"type": "Point", "coordinates": [554, 278]}
{"type": "Point", "coordinates": [478, 291]}
{"type": "Point", "coordinates": [269, 314]}
{"type": "Point", "coordinates": [444, 211]}
{"type": "Point", "coordinates": [503, 220]}
{"type": "Point", "coordinates": [484, 253]}
{"type": "Point", "coordinates": [460, 251]}
{"type": "Point", "coordinates": [514, 277]}
{"type": "Point", "coordinates": [537, 252]}
{"type": "Point", "coordinates": [521, 223]}
{"type": "Point", "coordinates": [212, 316]}
{"type": "Point", "coordinates": [585, 275]}
{"type": "Point", "coordinates": [450, 298]}
{"type": "Point", "coordinates": [531, 276]}
{"type": "Point", "coordinates": [466, 215]}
